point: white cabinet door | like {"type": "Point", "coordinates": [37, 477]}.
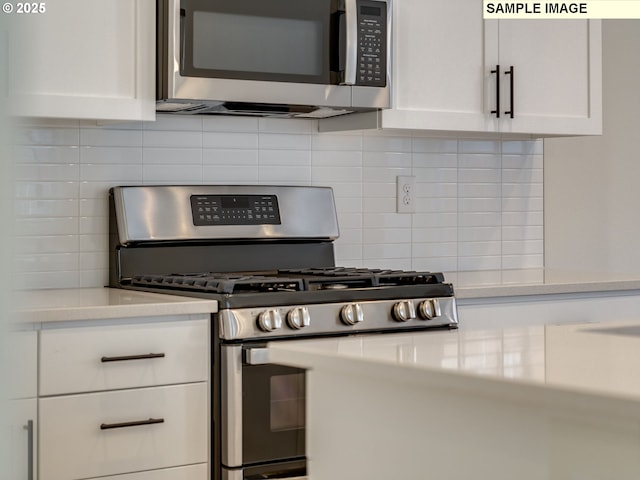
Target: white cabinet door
{"type": "Point", "coordinates": [123, 431]}
{"type": "Point", "coordinates": [89, 359]}
{"type": "Point", "coordinates": [87, 59]}
{"type": "Point", "coordinates": [557, 87]}
{"type": "Point", "coordinates": [438, 67]}
{"type": "Point", "coordinates": [21, 457]}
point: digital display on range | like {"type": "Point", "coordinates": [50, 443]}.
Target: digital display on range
{"type": "Point", "coordinates": [235, 210]}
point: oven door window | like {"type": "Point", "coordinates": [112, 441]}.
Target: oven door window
{"type": "Point", "coordinates": [275, 40]}
{"type": "Point", "coordinates": [273, 413]}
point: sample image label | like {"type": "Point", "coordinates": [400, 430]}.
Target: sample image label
{"type": "Point", "coordinates": [587, 9]}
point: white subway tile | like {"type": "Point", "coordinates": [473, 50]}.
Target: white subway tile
{"type": "Point", "coordinates": [52, 136]}
{"type": "Point", "coordinates": [386, 236]}
{"type": "Point", "coordinates": [479, 175]}
{"type": "Point", "coordinates": [231, 174]}
{"type": "Point", "coordinates": [110, 172]}
{"type": "Point", "coordinates": [479, 190]}
{"type": "Point", "coordinates": [522, 261]}
{"type": "Point", "coordinates": [522, 218]}
{"type": "Point", "coordinates": [223, 157]}
{"type": "Point", "coordinates": [436, 175]}
{"type": "Point", "coordinates": [522, 161]}
{"type": "Point", "coordinates": [382, 175]}
{"type": "Point", "coordinates": [100, 190]}
{"type": "Point", "coordinates": [385, 251]}
{"type": "Point", "coordinates": [479, 146]}
{"type": "Point", "coordinates": [47, 172]}
{"type": "Point", "coordinates": [336, 159]}
{"type": "Point", "coordinates": [342, 189]}
{"type": "Point", "coordinates": [47, 244]}
{"type": "Point", "coordinates": [230, 124]}
{"type": "Point", "coordinates": [284, 174]}
{"type": "Point", "coordinates": [379, 205]}
{"type": "Point", "coordinates": [479, 249]}
{"type": "Point", "coordinates": [436, 249]}
{"type": "Point", "coordinates": [94, 278]}
{"type": "Point", "coordinates": [387, 160]}
{"type": "Point", "coordinates": [94, 260]}
{"type": "Point", "coordinates": [46, 262]}
{"type": "Point", "coordinates": [523, 232]}
{"type": "Point", "coordinates": [522, 189]}
{"type": "Point", "coordinates": [381, 143]}
{"type": "Point", "coordinates": [386, 220]}
{"type": "Point", "coordinates": [93, 243]}
{"type": "Point", "coordinates": [228, 140]}
{"type": "Point", "coordinates": [94, 207]}
{"type": "Point", "coordinates": [172, 156]}
{"type": "Point", "coordinates": [93, 225]}
{"type": "Point", "coordinates": [40, 154]}
{"type": "Point", "coordinates": [522, 204]}
{"type": "Point", "coordinates": [526, 175]}
{"type": "Point", "coordinates": [479, 234]}
{"type": "Point", "coordinates": [337, 143]}
{"type": "Point", "coordinates": [47, 208]}
{"type": "Point", "coordinates": [275, 141]}
{"type": "Point", "coordinates": [295, 158]}
{"type": "Point", "coordinates": [48, 190]}
{"type": "Point", "coordinates": [163, 139]}
{"type": "Point", "coordinates": [522, 147]}
{"type": "Point", "coordinates": [479, 219]}
{"type": "Point", "coordinates": [168, 174]}
{"type": "Point", "coordinates": [45, 280]}
{"type": "Point", "coordinates": [479, 263]}
{"type": "Point", "coordinates": [470, 205]}
{"type": "Point", "coordinates": [111, 155]}
{"type": "Point", "coordinates": [435, 220]}
{"type": "Point", "coordinates": [387, 263]}
{"type": "Point", "coordinates": [346, 174]}
{"type": "Point", "coordinates": [44, 226]}
{"type": "Point", "coordinates": [376, 189]}
{"type": "Point", "coordinates": [435, 145]}
{"type": "Point", "coordinates": [110, 138]}
{"type": "Point", "coordinates": [523, 247]}
{"type": "Point", "coordinates": [434, 235]}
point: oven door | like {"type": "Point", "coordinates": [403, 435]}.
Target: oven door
{"type": "Point", "coordinates": [263, 415]}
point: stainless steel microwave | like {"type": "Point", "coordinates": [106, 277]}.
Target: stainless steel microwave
{"type": "Point", "coordinates": [291, 58]}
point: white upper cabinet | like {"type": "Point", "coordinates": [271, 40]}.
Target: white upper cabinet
{"type": "Point", "coordinates": [556, 72]}
{"type": "Point", "coordinates": [87, 59]}
{"type": "Point", "coordinates": [444, 73]}
{"type": "Point", "coordinates": [438, 75]}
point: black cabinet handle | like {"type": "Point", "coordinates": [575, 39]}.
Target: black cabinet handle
{"type": "Point", "coordinates": [131, 357]}
{"type": "Point", "coordinates": [511, 110]}
{"type": "Point", "coordinates": [29, 428]}
{"type": "Point", "coordinates": [497, 72]}
{"type": "Point", "coordinates": [138, 423]}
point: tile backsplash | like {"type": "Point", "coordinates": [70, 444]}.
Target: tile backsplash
{"type": "Point", "coordinates": [479, 203]}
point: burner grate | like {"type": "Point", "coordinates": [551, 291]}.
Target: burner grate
{"type": "Point", "coordinates": [220, 283]}
{"type": "Point", "coordinates": [316, 278]}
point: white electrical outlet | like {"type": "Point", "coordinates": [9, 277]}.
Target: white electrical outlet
{"type": "Point", "coordinates": [405, 191]}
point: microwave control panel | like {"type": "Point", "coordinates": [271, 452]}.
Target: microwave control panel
{"type": "Point", "coordinates": [372, 43]}
{"type": "Point", "coordinates": [235, 210]}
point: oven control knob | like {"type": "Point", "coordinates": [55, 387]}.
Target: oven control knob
{"type": "Point", "coordinates": [429, 309]}
{"type": "Point", "coordinates": [269, 320]}
{"type": "Point", "coordinates": [404, 311]}
{"type": "Point", "coordinates": [351, 314]}
{"type": "Point", "coordinates": [299, 318]}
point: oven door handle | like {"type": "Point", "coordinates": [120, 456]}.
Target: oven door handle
{"type": "Point", "coordinates": [256, 356]}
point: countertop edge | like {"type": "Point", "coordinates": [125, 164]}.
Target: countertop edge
{"type": "Point", "coordinates": [45, 306]}
{"type": "Point", "coordinates": [543, 396]}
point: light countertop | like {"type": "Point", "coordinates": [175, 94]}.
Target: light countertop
{"type": "Point", "coordinates": [589, 365]}
{"type": "Point", "coordinates": [505, 283]}
{"type": "Point", "coordinates": [102, 303]}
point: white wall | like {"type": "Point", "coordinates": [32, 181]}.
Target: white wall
{"type": "Point", "coordinates": [479, 203]}
{"type": "Point", "coordinates": [592, 185]}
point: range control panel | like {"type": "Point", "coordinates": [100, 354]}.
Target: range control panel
{"type": "Point", "coordinates": [235, 210]}
{"type": "Point", "coordinates": [372, 43]}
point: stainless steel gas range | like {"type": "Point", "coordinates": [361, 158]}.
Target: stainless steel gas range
{"type": "Point", "coordinates": [266, 254]}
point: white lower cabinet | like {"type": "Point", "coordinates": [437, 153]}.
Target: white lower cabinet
{"type": "Point", "coordinates": [22, 446]}
{"type": "Point", "coordinates": [128, 401]}
{"type": "Point", "coordinates": [93, 435]}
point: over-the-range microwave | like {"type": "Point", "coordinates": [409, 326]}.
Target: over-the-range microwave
{"type": "Point", "coordinates": [291, 58]}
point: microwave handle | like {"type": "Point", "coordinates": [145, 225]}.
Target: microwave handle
{"type": "Point", "coordinates": [351, 54]}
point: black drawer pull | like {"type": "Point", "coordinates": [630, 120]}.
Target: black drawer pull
{"type": "Point", "coordinates": [131, 357]}
{"type": "Point", "coordinates": [151, 421]}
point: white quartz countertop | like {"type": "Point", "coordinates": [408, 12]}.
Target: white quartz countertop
{"type": "Point", "coordinates": [504, 283]}
{"type": "Point", "coordinates": [102, 303]}
{"type": "Point", "coordinates": [595, 366]}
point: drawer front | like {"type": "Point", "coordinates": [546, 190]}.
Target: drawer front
{"type": "Point", "coordinates": [110, 433]}
{"type": "Point", "coordinates": [89, 359]}
{"type": "Point", "coordinates": [191, 472]}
